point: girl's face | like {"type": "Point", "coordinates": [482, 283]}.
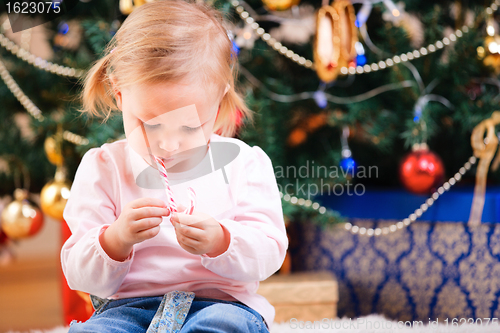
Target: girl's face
{"type": "Point", "coordinates": [171, 121]}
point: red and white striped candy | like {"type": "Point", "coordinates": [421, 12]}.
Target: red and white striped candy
{"type": "Point", "coordinates": [170, 195]}
{"type": "Point", "coordinates": [192, 199]}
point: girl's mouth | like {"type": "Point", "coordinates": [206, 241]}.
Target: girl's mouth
{"type": "Point", "coordinates": [165, 160]}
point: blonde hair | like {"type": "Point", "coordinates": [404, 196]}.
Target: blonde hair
{"type": "Point", "coordinates": [168, 41]}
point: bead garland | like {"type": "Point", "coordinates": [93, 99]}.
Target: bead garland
{"type": "Point", "coordinates": [33, 110]}
{"type": "Point", "coordinates": [354, 229]}
{"type": "Point", "coordinates": [75, 138]}
{"type": "Point", "coordinates": [20, 95]}
{"type": "Point", "coordinates": [389, 62]}
{"type": "Point", "coordinates": [38, 61]}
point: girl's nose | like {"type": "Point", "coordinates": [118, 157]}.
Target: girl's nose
{"type": "Point", "coordinates": [169, 143]}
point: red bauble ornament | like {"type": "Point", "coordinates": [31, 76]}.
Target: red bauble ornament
{"type": "Point", "coordinates": [21, 218]}
{"type": "Point", "coordinates": [421, 171]}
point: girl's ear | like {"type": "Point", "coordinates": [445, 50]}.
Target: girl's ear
{"type": "Point", "coordinates": [227, 89]}
{"type": "Point", "coordinates": [116, 91]}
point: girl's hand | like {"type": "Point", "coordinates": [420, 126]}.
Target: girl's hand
{"type": "Point", "coordinates": [139, 220]}
{"type": "Point", "coordinates": [200, 233]}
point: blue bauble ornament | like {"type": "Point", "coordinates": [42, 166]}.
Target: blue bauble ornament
{"type": "Point", "coordinates": [348, 166]}
{"type": "Point", "coordinates": [320, 98]}
{"type": "Point", "coordinates": [236, 49]}
{"type": "Point", "coordinates": [417, 114]}
{"type": "Point", "coordinates": [114, 27]}
{"type": "Point", "coordinates": [63, 28]}
{"type": "Point", "coordinates": [360, 54]}
{"type": "Point", "coordinates": [361, 60]}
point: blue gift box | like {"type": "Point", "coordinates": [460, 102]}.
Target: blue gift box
{"type": "Point", "coordinates": [436, 268]}
{"type": "Point", "coordinates": [388, 204]}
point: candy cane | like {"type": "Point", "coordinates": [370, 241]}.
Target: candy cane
{"type": "Point", "coordinates": [170, 195]}
{"type": "Point", "coordinates": [192, 199]}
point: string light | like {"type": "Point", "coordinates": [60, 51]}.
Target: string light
{"type": "Point", "coordinates": [490, 30]}
{"type": "Point", "coordinates": [322, 97]}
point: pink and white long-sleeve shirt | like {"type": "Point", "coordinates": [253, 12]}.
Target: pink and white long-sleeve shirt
{"type": "Point", "coordinates": [241, 195]}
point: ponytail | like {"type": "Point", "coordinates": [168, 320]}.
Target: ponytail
{"type": "Point", "coordinates": [96, 96]}
{"type": "Point", "coordinates": [233, 113]}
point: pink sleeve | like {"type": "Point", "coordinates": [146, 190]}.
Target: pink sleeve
{"type": "Point", "coordinates": [89, 211]}
{"type": "Point", "coordinates": [258, 237]}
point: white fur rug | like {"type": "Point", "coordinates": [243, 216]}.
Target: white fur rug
{"type": "Point", "coordinates": [368, 324]}
{"type": "Point", "coordinates": [379, 324]}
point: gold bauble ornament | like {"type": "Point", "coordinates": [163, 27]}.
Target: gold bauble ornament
{"type": "Point", "coordinates": [490, 52]}
{"type": "Point", "coordinates": [280, 4]}
{"type": "Point", "coordinates": [128, 6]}
{"type": "Point", "coordinates": [52, 148]}
{"type": "Point", "coordinates": [55, 194]}
{"type": "Point", "coordinates": [493, 60]}
{"type": "Point", "coordinates": [21, 218]}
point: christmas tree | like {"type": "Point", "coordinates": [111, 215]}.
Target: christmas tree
{"type": "Point", "coordinates": [415, 74]}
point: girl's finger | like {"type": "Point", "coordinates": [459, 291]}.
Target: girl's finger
{"type": "Point", "coordinates": [182, 239]}
{"type": "Point", "coordinates": [187, 240]}
{"type": "Point", "coordinates": [144, 202]}
{"type": "Point", "coordinates": [188, 248]}
{"type": "Point", "coordinates": [190, 220]}
{"type": "Point", "coordinates": [148, 233]}
{"type": "Point", "coordinates": [147, 223]}
{"type": "Point", "coordinates": [191, 232]}
{"type": "Point", "coordinates": [145, 212]}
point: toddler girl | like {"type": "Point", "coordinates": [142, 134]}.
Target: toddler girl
{"type": "Point", "coordinates": [169, 70]}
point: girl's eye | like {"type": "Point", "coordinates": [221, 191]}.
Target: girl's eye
{"type": "Point", "coordinates": [186, 128]}
{"type": "Point", "coordinates": [192, 129]}
{"type": "Point", "coordinates": [151, 126]}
